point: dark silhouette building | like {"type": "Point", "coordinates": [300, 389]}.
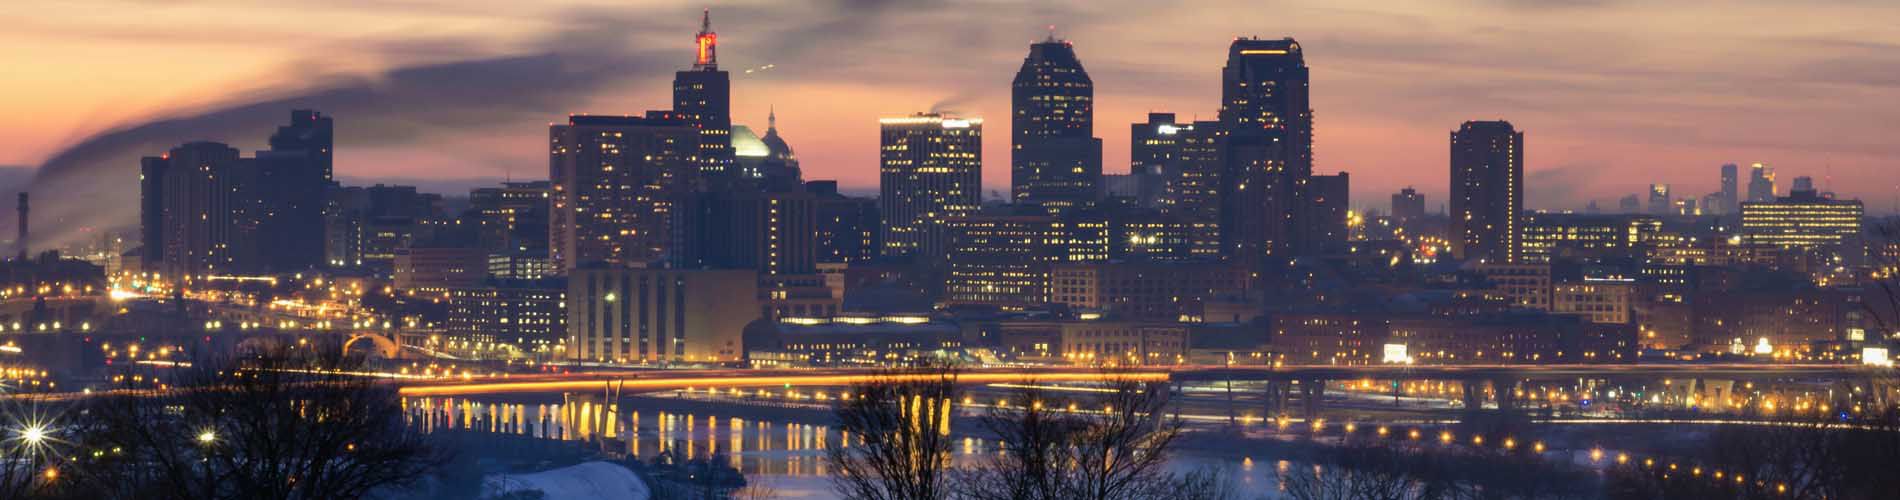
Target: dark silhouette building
{"type": "Point", "coordinates": [930, 170]}
{"type": "Point", "coordinates": [292, 180]}
{"type": "Point", "coordinates": [1193, 186]}
{"type": "Point", "coordinates": [1055, 160]}
{"type": "Point", "coordinates": [616, 182]}
{"type": "Point", "coordinates": [1268, 151]}
{"type": "Point", "coordinates": [772, 233]}
{"type": "Point", "coordinates": [1487, 191]}
{"type": "Point", "coordinates": [702, 96]}
{"type": "Point", "coordinates": [1761, 183]}
{"type": "Point", "coordinates": [204, 222]}
{"type": "Point", "coordinates": [846, 226]}
{"type": "Point", "coordinates": [1154, 152]}
{"type": "Point", "coordinates": [1330, 203]}
{"type": "Point", "coordinates": [1407, 205]}
{"type": "Point", "coordinates": [1730, 195]}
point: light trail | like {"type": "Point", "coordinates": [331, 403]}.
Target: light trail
{"type": "Point", "coordinates": [762, 381]}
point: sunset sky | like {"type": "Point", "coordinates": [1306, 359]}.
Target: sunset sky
{"type": "Point", "coordinates": [1613, 94]}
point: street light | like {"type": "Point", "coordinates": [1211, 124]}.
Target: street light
{"type": "Point", "coordinates": [207, 437]}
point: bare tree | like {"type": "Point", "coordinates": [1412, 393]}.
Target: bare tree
{"type": "Point", "coordinates": [895, 436]}
{"type": "Point", "coordinates": [1114, 448]}
{"type": "Point", "coordinates": [1814, 457]}
{"type": "Point", "coordinates": [296, 423]}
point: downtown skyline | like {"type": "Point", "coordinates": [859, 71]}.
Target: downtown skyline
{"type": "Point", "coordinates": [1605, 115]}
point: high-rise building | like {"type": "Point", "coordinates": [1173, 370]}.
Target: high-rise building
{"type": "Point", "coordinates": [512, 217]}
{"type": "Point", "coordinates": [766, 162]}
{"type": "Point", "coordinates": [206, 220]}
{"type": "Point", "coordinates": [702, 96]}
{"type": "Point", "coordinates": [1003, 260]}
{"type": "Point", "coordinates": [1330, 203]}
{"type": "Point", "coordinates": [1660, 204]}
{"type": "Point", "coordinates": [847, 226]}
{"type": "Point", "coordinates": [1055, 160]}
{"type": "Point", "coordinates": [1730, 196]}
{"type": "Point", "coordinates": [1761, 183]}
{"type": "Point", "coordinates": [1193, 186]}
{"type": "Point", "coordinates": [1804, 220]}
{"type": "Point", "coordinates": [930, 170]}
{"type": "Point", "coordinates": [659, 315]}
{"type": "Point", "coordinates": [616, 181]}
{"type": "Point", "coordinates": [309, 133]}
{"type": "Point", "coordinates": [1154, 153]}
{"type": "Point", "coordinates": [1407, 205]}
{"type": "Point", "coordinates": [1487, 191]}
{"type": "Point", "coordinates": [772, 233]}
{"type": "Point", "coordinates": [1268, 151]}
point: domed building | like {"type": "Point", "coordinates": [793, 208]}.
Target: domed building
{"type": "Point", "coordinates": [768, 160]}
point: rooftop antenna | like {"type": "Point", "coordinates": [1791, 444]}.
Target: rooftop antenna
{"type": "Point", "coordinates": [1052, 33]}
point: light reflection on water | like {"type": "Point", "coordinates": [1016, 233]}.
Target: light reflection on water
{"type": "Point", "coordinates": [786, 455]}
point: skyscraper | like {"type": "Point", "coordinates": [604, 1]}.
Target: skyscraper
{"type": "Point", "coordinates": [1487, 191]}
{"type": "Point", "coordinates": [930, 170]}
{"type": "Point", "coordinates": [1193, 187]}
{"type": "Point", "coordinates": [1659, 202]}
{"type": "Point", "coordinates": [1267, 154]}
{"type": "Point", "coordinates": [1761, 183]}
{"type": "Point", "coordinates": [1055, 160]}
{"type": "Point", "coordinates": [616, 181]}
{"type": "Point", "coordinates": [206, 221]}
{"type": "Point", "coordinates": [847, 227]}
{"type": "Point", "coordinates": [1730, 197]}
{"type": "Point", "coordinates": [1330, 204]}
{"type": "Point", "coordinates": [291, 180]}
{"type": "Point", "coordinates": [1154, 153]}
{"type": "Point", "coordinates": [703, 97]}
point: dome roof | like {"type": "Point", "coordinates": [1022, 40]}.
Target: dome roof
{"type": "Point", "coordinates": [775, 144]}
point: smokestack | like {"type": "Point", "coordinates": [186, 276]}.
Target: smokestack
{"type": "Point", "coordinates": [21, 240]}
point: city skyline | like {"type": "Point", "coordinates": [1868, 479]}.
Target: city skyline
{"type": "Point", "coordinates": [1672, 115]}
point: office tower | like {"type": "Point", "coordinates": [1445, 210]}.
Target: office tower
{"type": "Point", "coordinates": [1803, 220]}
{"type": "Point", "coordinates": [1487, 191]}
{"type": "Point", "coordinates": [772, 233]}
{"type": "Point", "coordinates": [702, 96]}
{"type": "Point", "coordinates": [1154, 153]}
{"type": "Point", "coordinates": [1147, 235]}
{"type": "Point", "coordinates": [1659, 201]}
{"type": "Point", "coordinates": [309, 133]}
{"type": "Point", "coordinates": [620, 315]}
{"type": "Point", "coordinates": [847, 227]}
{"type": "Point", "coordinates": [512, 217]}
{"type": "Point", "coordinates": [1548, 235]}
{"type": "Point", "coordinates": [1761, 183]}
{"type": "Point", "coordinates": [616, 181]}
{"type": "Point", "coordinates": [1193, 187]}
{"type": "Point", "coordinates": [1730, 197]}
{"type": "Point", "coordinates": [1055, 160]}
{"type": "Point", "coordinates": [532, 316]}
{"type": "Point", "coordinates": [930, 170]}
{"type": "Point", "coordinates": [365, 226]}
{"type": "Point", "coordinates": [22, 211]}
{"type": "Point", "coordinates": [1408, 205]}
{"type": "Point", "coordinates": [1268, 151]}
{"type": "Point", "coordinates": [206, 221]}
{"type": "Point", "coordinates": [1329, 202]}
{"type": "Point", "coordinates": [1003, 259]}
{"type": "Point", "coordinates": [1631, 204]}
{"type": "Point", "coordinates": [290, 186]}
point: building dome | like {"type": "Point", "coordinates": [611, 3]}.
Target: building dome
{"type": "Point", "coordinates": [775, 144]}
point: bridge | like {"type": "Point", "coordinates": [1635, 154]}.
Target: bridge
{"type": "Point", "coordinates": [1283, 385]}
